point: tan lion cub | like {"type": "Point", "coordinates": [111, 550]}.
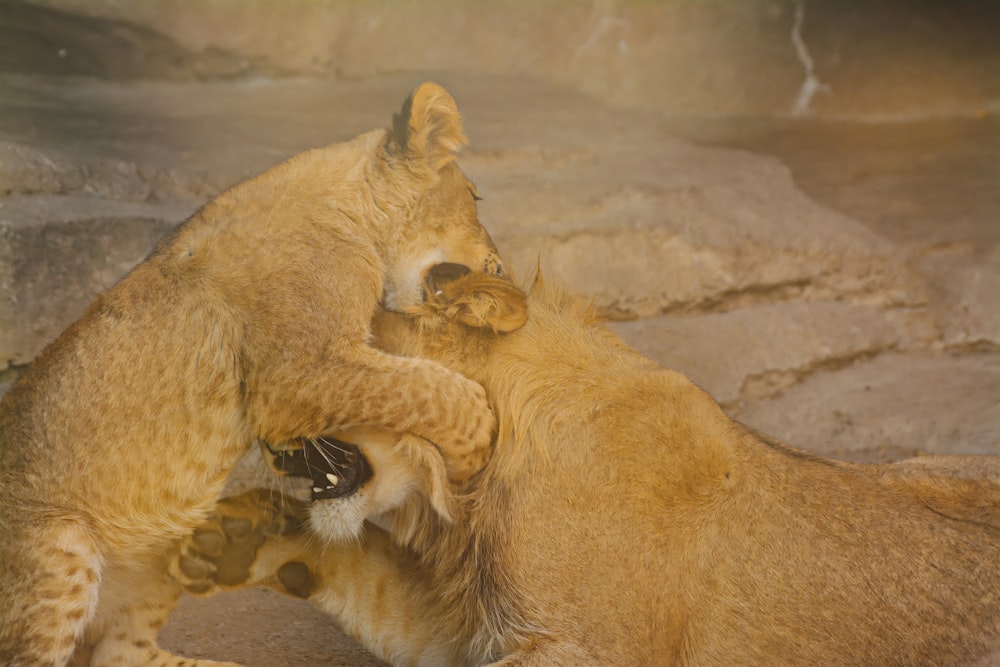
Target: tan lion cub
{"type": "Point", "coordinates": [625, 519]}
{"type": "Point", "coordinates": [250, 322]}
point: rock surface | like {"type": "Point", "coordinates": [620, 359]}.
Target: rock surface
{"type": "Point", "coordinates": [832, 283]}
{"type": "Point", "coordinates": [681, 56]}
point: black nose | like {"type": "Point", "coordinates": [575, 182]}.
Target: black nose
{"type": "Point", "coordinates": [499, 272]}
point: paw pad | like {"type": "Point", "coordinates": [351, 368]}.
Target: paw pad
{"type": "Point", "coordinates": [297, 579]}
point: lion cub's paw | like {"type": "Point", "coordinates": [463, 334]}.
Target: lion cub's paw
{"type": "Point", "coordinates": [468, 447]}
{"type": "Point", "coordinates": [221, 552]}
{"type": "Point", "coordinates": [461, 468]}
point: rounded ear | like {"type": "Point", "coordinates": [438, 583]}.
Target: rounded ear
{"type": "Point", "coordinates": [484, 302]}
{"type": "Point", "coordinates": [428, 459]}
{"type": "Point", "coordinates": [428, 129]}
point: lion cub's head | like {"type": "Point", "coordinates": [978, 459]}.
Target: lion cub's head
{"type": "Point", "coordinates": [439, 223]}
{"type": "Point", "coordinates": [368, 473]}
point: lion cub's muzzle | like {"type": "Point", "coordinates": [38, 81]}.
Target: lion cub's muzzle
{"type": "Point", "coordinates": [337, 469]}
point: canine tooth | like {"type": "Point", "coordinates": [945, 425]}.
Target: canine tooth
{"type": "Point", "coordinates": [332, 478]}
{"type": "Point", "coordinates": [317, 489]}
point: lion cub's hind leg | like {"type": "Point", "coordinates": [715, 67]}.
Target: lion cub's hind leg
{"type": "Point", "coordinates": [128, 638]}
{"type": "Point", "coordinates": [48, 593]}
{"type": "Point", "coordinates": [547, 651]}
{"type": "Point", "coordinates": [249, 540]}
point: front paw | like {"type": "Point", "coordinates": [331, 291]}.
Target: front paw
{"type": "Point", "coordinates": [221, 552]}
{"type": "Point", "coordinates": [470, 445]}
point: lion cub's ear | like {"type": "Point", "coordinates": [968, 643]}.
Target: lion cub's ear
{"type": "Point", "coordinates": [428, 129]}
{"type": "Point", "coordinates": [484, 302]}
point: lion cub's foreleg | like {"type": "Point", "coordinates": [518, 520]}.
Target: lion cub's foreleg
{"type": "Point", "coordinates": [366, 386]}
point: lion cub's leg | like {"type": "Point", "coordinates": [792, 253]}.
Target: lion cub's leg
{"type": "Point", "coordinates": [48, 593]}
{"type": "Point", "coordinates": [246, 541]}
{"type": "Point", "coordinates": [128, 637]}
{"type": "Point", "coordinates": [366, 386]}
{"type": "Point", "coordinates": [368, 587]}
{"type": "Point", "coordinates": [432, 401]}
{"type": "Point", "coordinates": [547, 651]}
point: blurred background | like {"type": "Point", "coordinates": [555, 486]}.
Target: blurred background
{"type": "Point", "coordinates": [795, 203]}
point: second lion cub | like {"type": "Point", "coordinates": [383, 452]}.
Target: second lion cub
{"type": "Point", "coordinates": [249, 323]}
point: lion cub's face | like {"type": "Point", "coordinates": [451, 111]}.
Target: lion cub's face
{"type": "Point", "coordinates": [431, 204]}
{"type": "Point", "coordinates": [446, 230]}
{"type": "Point", "coordinates": [364, 473]}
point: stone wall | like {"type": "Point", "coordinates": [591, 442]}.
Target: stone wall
{"type": "Point", "coordinates": [883, 58]}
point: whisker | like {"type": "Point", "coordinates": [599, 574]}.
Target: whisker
{"type": "Point", "coordinates": [326, 457]}
{"type": "Point", "coordinates": [315, 446]}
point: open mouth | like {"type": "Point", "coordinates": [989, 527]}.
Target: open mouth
{"type": "Point", "coordinates": [440, 275]}
{"type": "Point", "coordinates": [337, 469]}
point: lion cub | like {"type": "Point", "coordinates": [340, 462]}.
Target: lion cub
{"type": "Point", "coordinates": [249, 323]}
{"type": "Point", "coordinates": [624, 519]}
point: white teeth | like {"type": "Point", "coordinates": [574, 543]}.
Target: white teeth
{"type": "Point", "coordinates": [316, 489]}
{"type": "Point", "coordinates": [439, 293]}
{"type": "Point", "coordinates": [332, 479]}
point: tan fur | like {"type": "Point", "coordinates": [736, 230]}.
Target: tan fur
{"type": "Point", "coordinates": [251, 321]}
{"type": "Point", "coordinates": [624, 519]}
